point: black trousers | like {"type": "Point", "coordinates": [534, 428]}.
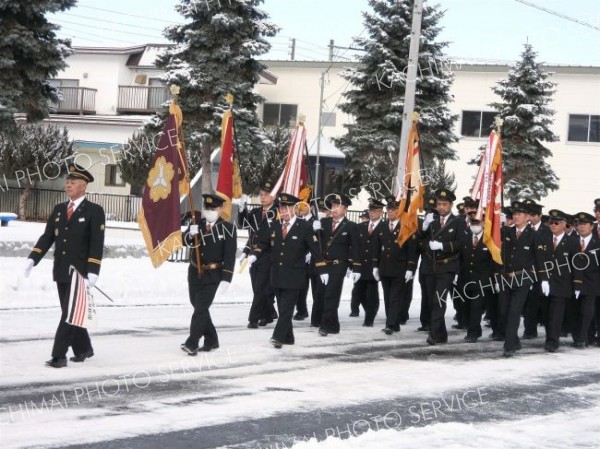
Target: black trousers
{"type": "Point", "coordinates": [439, 288]}
{"type": "Point", "coordinates": [462, 306]}
{"type": "Point", "coordinates": [318, 294]}
{"type": "Point", "coordinates": [555, 311]}
{"type": "Point", "coordinates": [356, 300]}
{"type": "Point", "coordinates": [368, 291]}
{"type": "Point", "coordinates": [333, 292]}
{"type": "Point", "coordinates": [201, 298]}
{"type": "Point", "coordinates": [511, 302]}
{"type": "Point", "coordinates": [407, 295]}
{"type": "Point", "coordinates": [286, 301]}
{"type": "Point", "coordinates": [393, 295]}
{"type": "Point", "coordinates": [474, 307]}
{"type": "Point", "coordinates": [532, 312]}
{"type": "Point", "coordinates": [425, 315]}
{"type": "Point", "coordinates": [583, 314]}
{"type": "Point", "coordinates": [301, 306]}
{"type": "Point", "coordinates": [67, 335]}
{"type": "Point", "coordinates": [262, 302]}
{"type": "Point", "coordinates": [594, 332]}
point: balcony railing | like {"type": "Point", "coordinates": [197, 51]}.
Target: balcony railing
{"type": "Point", "coordinates": [76, 100]}
{"type": "Point", "coordinates": [141, 99]}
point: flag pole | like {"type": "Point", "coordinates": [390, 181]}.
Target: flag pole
{"type": "Point", "coordinates": [175, 92]}
{"type": "Point", "coordinates": [499, 122]}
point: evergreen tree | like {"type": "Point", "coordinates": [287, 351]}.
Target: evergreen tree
{"type": "Point", "coordinates": [376, 102]}
{"type": "Point", "coordinates": [271, 161]}
{"type": "Point", "coordinates": [436, 177]}
{"type": "Point", "coordinates": [526, 95]}
{"type": "Point", "coordinates": [30, 54]}
{"type": "Point", "coordinates": [34, 152]}
{"type": "Point", "coordinates": [215, 54]}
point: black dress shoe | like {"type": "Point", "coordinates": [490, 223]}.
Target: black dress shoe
{"type": "Point", "coordinates": [354, 314]}
{"type": "Point", "coordinates": [189, 351]}
{"type": "Point", "coordinates": [578, 345]}
{"type": "Point", "coordinates": [470, 339]}
{"type": "Point", "coordinates": [387, 331]}
{"type": "Point", "coordinates": [423, 329]}
{"type": "Point", "coordinates": [253, 325]}
{"type": "Point", "coordinates": [82, 357]}
{"type": "Point", "coordinates": [276, 344]}
{"type": "Point", "coordinates": [300, 316]}
{"type": "Point", "coordinates": [508, 354]}
{"type": "Point", "coordinates": [458, 326]}
{"type": "Point", "coordinates": [264, 322]}
{"type": "Point", "coordinates": [497, 337]}
{"type": "Point", "coordinates": [550, 347]}
{"type": "Point", "coordinates": [57, 362]}
{"type": "Point", "coordinates": [323, 332]}
{"type": "Point", "coordinates": [430, 341]}
{"type": "Point", "coordinates": [367, 324]}
{"type": "Point", "coordinates": [529, 336]}
{"type": "Point", "coordinates": [208, 348]}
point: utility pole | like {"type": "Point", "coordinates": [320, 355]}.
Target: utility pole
{"type": "Point", "coordinates": [331, 46]}
{"type": "Point", "coordinates": [293, 50]}
{"type": "Point", "coordinates": [317, 164]}
{"type": "Point", "coordinates": [409, 93]}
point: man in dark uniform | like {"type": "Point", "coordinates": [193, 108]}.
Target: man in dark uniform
{"type": "Point", "coordinates": [312, 278]}
{"type": "Point", "coordinates": [425, 314]}
{"type": "Point", "coordinates": [557, 252]}
{"type": "Point", "coordinates": [395, 266]}
{"type": "Point", "coordinates": [533, 312]}
{"type": "Point", "coordinates": [356, 299]}
{"type": "Point", "coordinates": [290, 239]}
{"type": "Point", "coordinates": [262, 311]}
{"type": "Point", "coordinates": [339, 246]}
{"type": "Point", "coordinates": [440, 248]}
{"type": "Point", "coordinates": [516, 275]}
{"type": "Point", "coordinates": [76, 228]}
{"type": "Point", "coordinates": [586, 278]}
{"type": "Point", "coordinates": [595, 326]}
{"type": "Point", "coordinates": [367, 285]}
{"type": "Point", "coordinates": [475, 280]}
{"type": "Point", "coordinates": [217, 243]}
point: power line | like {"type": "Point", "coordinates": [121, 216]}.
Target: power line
{"type": "Point", "coordinates": [111, 21]}
{"type": "Point", "coordinates": [130, 15]}
{"type": "Point", "coordinates": [111, 29]}
{"type": "Point", "coordinates": [558, 14]}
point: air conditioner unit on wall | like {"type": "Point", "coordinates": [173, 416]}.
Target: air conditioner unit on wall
{"type": "Point", "coordinates": [140, 79]}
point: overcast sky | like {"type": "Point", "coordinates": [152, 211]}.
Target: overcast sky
{"type": "Point", "coordinates": [478, 30]}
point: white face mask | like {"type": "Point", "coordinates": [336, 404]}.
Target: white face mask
{"type": "Point", "coordinates": [321, 215]}
{"type": "Point", "coordinates": [476, 229]}
{"type": "Point", "coordinates": [210, 215]}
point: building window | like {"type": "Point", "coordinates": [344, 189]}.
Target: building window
{"type": "Point", "coordinates": [63, 83]}
{"type": "Point", "coordinates": [477, 123]}
{"type": "Point", "coordinates": [112, 176]}
{"type": "Point", "coordinates": [275, 114]}
{"type": "Point", "coordinates": [584, 128]}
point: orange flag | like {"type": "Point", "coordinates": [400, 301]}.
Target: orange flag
{"type": "Point", "coordinates": [229, 183]}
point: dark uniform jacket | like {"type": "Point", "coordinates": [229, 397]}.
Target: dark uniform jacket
{"type": "Point", "coordinates": [586, 271]}
{"type": "Point", "coordinates": [476, 264]}
{"type": "Point", "coordinates": [557, 263]}
{"type": "Point", "coordinates": [367, 250]}
{"type": "Point", "coordinates": [78, 241]}
{"type": "Point", "coordinates": [445, 260]}
{"type": "Point", "coordinates": [288, 266]}
{"type": "Point", "coordinates": [217, 252]}
{"type": "Point", "coordinates": [394, 260]}
{"type": "Point", "coordinates": [521, 258]}
{"type": "Point", "coordinates": [253, 220]}
{"type": "Point", "coordinates": [341, 245]}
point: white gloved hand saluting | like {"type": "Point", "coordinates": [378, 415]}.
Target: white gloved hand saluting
{"type": "Point", "coordinates": [27, 267]}
{"type": "Point", "coordinates": [316, 225]}
{"type": "Point", "coordinates": [92, 278]}
{"type": "Point", "coordinates": [545, 288]}
{"type": "Point", "coordinates": [428, 220]}
{"type": "Point", "coordinates": [409, 276]}
{"type": "Point", "coordinates": [194, 230]}
{"type": "Point", "coordinates": [376, 273]}
{"type": "Point", "coordinates": [324, 278]}
{"type": "Point", "coordinates": [434, 245]}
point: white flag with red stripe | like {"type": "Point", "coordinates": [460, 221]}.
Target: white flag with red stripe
{"type": "Point", "coordinates": [81, 311]}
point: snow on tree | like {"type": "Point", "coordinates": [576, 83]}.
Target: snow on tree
{"type": "Point", "coordinates": [215, 54]}
{"type": "Point", "coordinates": [376, 100]}
{"type": "Point", "coordinates": [30, 54]}
{"type": "Point", "coordinates": [526, 95]}
{"type": "Point", "coordinates": [436, 177]}
{"type": "Point", "coordinates": [271, 162]}
{"type": "Point", "coordinates": [34, 152]}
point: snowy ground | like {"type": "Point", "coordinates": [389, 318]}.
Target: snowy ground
{"type": "Point", "coordinates": [358, 389]}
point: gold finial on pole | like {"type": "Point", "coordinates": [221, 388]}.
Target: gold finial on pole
{"type": "Point", "coordinates": [499, 122]}
{"type": "Point", "coordinates": [229, 99]}
{"type": "Point", "coordinates": [301, 119]}
{"type": "Point", "coordinates": [174, 88]}
{"type": "Point", "coordinates": [415, 116]}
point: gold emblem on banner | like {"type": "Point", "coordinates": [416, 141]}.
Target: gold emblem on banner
{"type": "Point", "coordinates": [159, 179]}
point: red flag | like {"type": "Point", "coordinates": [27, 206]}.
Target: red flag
{"type": "Point", "coordinates": [81, 311]}
{"type": "Point", "coordinates": [294, 179]}
{"type": "Point", "coordinates": [229, 184]}
{"type": "Point", "coordinates": [488, 188]}
{"type": "Point", "coordinates": [168, 179]}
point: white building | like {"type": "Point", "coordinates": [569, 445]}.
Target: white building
{"type": "Point", "coordinates": [109, 92]}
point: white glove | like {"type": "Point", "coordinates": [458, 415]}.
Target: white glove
{"type": "Point", "coordinates": [434, 245]}
{"type": "Point", "coordinates": [251, 259]}
{"type": "Point", "coordinates": [545, 288]}
{"type": "Point", "coordinates": [577, 293]}
{"type": "Point", "coordinates": [194, 230]}
{"type": "Point", "coordinates": [243, 201]}
{"type": "Point", "coordinates": [502, 218]}
{"type": "Point", "coordinates": [324, 278]}
{"type": "Point", "coordinates": [376, 273]}
{"type": "Point", "coordinates": [428, 220]}
{"type": "Point", "coordinates": [316, 225]}
{"type": "Point", "coordinates": [27, 267]}
{"type": "Point", "coordinates": [92, 278]}
{"type": "Point", "coordinates": [409, 276]}
{"type": "Point", "coordinates": [349, 273]}
{"type": "Point", "coordinates": [355, 277]}
{"type": "Point", "coordinates": [222, 289]}
{"type": "Point", "coordinates": [307, 258]}
{"type": "Point", "coordinates": [242, 257]}
{"type": "Point", "coordinates": [455, 281]}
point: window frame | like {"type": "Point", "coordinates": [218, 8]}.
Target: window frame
{"type": "Point", "coordinates": [589, 128]}
{"type": "Point", "coordinates": [279, 105]}
{"type": "Point", "coordinates": [110, 176]}
{"type": "Point", "coordinates": [481, 112]}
